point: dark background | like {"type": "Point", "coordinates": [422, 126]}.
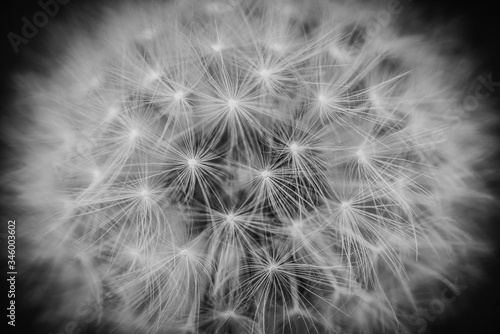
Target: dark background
{"type": "Point", "coordinates": [478, 308]}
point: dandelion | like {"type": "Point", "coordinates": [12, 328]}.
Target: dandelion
{"type": "Point", "coordinates": [247, 167]}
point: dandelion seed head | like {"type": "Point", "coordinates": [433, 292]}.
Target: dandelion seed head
{"type": "Point", "coordinates": [249, 167]}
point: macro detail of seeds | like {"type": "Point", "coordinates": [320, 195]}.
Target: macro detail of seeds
{"type": "Point", "coordinates": [247, 167]}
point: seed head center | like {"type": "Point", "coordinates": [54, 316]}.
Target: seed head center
{"type": "Point", "coordinates": [230, 218]}
{"type": "Point", "coordinates": [232, 103]}
{"type": "Point", "coordinates": [178, 95]}
{"type": "Point", "coordinates": [265, 73]}
{"type": "Point", "coordinates": [134, 133]}
{"type": "Point", "coordinates": [295, 148]}
{"type": "Point", "coordinates": [265, 174]}
{"type": "Point", "coordinates": [273, 267]}
{"type": "Point", "coordinates": [217, 47]}
{"type": "Point", "coordinates": [322, 99]}
{"type": "Point", "coordinates": [192, 162]}
{"type": "Point", "coordinates": [145, 193]}
{"type": "Point", "coordinates": [361, 154]}
{"type": "Point", "coordinates": [346, 205]}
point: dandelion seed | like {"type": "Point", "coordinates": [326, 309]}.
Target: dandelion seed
{"type": "Point", "coordinates": [232, 104]}
{"type": "Point", "coordinates": [346, 205]}
{"type": "Point", "coordinates": [218, 8]}
{"type": "Point", "coordinates": [322, 99]}
{"type": "Point", "coordinates": [192, 163]}
{"type": "Point", "coordinates": [217, 47]}
{"type": "Point", "coordinates": [153, 76]}
{"type": "Point", "coordinates": [179, 96]}
{"type": "Point", "coordinates": [113, 111]}
{"type": "Point", "coordinates": [265, 74]}
{"type": "Point", "coordinates": [361, 154]}
{"type": "Point", "coordinates": [149, 33]}
{"type": "Point", "coordinates": [134, 133]}
{"type": "Point", "coordinates": [276, 46]}
{"type": "Point", "coordinates": [266, 174]}
{"type": "Point", "coordinates": [273, 267]}
{"type": "Point", "coordinates": [295, 148]}
{"type": "Point", "coordinates": [230, 218]}
{"type": "Point", "coordinates": [96, 173]}
{"type": "Point", "coordinates": [145, 193]}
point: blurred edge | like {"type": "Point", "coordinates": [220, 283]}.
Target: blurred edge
{"type": "Point", "coordinates": [477, 309]}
